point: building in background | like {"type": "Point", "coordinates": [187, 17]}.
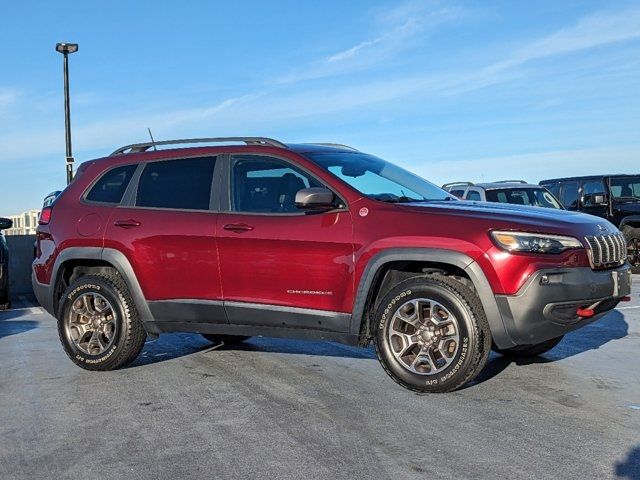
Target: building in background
{"type": "Point", "coordinates": [24, 223]}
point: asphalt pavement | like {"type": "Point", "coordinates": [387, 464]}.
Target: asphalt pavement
{"type": "Point", "coordinates": [283, 409]}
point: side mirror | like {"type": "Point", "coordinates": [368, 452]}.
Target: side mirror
{"type": "Point", "coordinates": [594, 199]}
{"type": "Point", "coordinates": [599, 199]}
{"type": "Point", "coordinates": [5, 223]}
{"type": "Point", "coordinates": [315, 198]}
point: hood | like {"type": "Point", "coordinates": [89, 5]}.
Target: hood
{"type": "Point", "coordinates": [627, 206]}
{"type": "Point", "coordinates": [519, 217]}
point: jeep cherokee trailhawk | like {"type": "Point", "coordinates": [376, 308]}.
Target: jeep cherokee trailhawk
{"type": "Point", "coordinates": [313, 241]}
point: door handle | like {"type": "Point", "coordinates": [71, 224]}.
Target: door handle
{"type": "Point", "coordinates": [238, 227]}
{"type": "Point", "coordinates": [129, 223]}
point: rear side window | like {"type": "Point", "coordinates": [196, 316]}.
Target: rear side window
{"type": "Point", "coordinates": [181, 184]}
{"type": "Point", "coordinates": [111, 186]}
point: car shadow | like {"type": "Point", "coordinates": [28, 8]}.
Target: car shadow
{"type": "Point", "coordinates": [175, 345]}
{"type": "Point", "coordinates": [10, 327]}
{"type": "Point", "coordinates": [613, 326]}
{"type": "Point", "coordinates": [629, 468]}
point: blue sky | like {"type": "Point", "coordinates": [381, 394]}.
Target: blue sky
{"type": "Point", "coordinates": [451, 90]}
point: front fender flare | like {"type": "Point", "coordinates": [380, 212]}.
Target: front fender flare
{"type": "Point", "coordinates": [499, 331]}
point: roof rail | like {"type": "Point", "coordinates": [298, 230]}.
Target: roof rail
{"type": "Point", "coordinates": [337, 145]}
{"type": "Point", "coordinates": [447, 185]}
{"type": "Point", "coordinates": [141, 147]}
{"type": "Point", "coordinates": [511, 181]}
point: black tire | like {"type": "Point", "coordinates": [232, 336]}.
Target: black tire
{"type": "Point", "coordinates": [530, 350]}
{"type": "Point", "coordinates": [225, 339]}
{"type": "Point", "coordinates": [129, 336]}
{"type": "Point", "coordinates": [632, 235]}
{"type": "Point", "coordinates": [474, 333]}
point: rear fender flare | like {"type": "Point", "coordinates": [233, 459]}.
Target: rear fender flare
{"type": "Point", "coordinates": [120, 262]}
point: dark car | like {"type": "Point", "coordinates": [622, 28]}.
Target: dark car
{"type": "Point", "coordinates": [516, 192]}
{"type": "Point", "coordinates": [313, 241]}
{"type": "Point", "coordinates": [5, 303]}
{"type": "Point", "coordinates": [614, 197]}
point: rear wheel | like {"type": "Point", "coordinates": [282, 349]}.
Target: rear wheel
{"type": "Point", "coordinates": [632, 235]}
{"type": "Point", "coordinates": [225, 339]}
{"type": "Point", "coordinates": [98, 323]}
{"type": "Point", "coordinates": [431, 334]}
{"type": "Point", "coordinates": [530, 350]}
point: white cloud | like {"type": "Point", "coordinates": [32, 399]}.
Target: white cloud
{"type": "Point", "coordinates": [278, 104]}
{"type": "Point", "coordinates": [397, 29]}
{"type": "Point", "coordinates": [7, 97]}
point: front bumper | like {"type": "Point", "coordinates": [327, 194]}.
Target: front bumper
{"type": "Point", "coordinates": [545, 307]}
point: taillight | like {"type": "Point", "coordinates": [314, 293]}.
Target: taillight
{"type": "Point", "coordinates": [45, 216]}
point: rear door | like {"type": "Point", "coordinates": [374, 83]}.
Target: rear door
{"type": "Point", "coordinates": [282, 267]}
{"type": "Point", "coordinates": [167, 231]}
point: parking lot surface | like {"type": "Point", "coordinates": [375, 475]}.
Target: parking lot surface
{"type": "Point", "coordinates": [274, 408]}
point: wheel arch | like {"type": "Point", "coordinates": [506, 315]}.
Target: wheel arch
{"type": "Point", "coordinates": [74, 262]}
{"type": "Point", "coordinates": [453, 263]}
{"type": "Point", "coordinates": [632, 221]}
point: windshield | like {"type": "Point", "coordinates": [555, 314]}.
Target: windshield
{"type": "Point", "coordinates": [379, 179]}
{"type": "Point", "coordinates": [625, 187]}
{"type": "Point", "coordinates": [537, 197]}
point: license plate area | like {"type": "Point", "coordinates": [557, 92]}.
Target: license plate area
{"type": "Point", "coordinates": [621, 283]}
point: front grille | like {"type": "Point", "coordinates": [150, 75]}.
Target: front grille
{"type": "Point", "coordinates": [607, 250]}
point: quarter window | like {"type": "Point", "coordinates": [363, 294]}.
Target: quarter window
{"type": "Point", "coordinates": [266, 185]}
{"type": "Point", "coordinates": [112, 185]}
{"type": "Point", "coordinates": [178, 184]}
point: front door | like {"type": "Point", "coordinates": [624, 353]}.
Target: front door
{"type": "Point", "coordinates": [280, 266]}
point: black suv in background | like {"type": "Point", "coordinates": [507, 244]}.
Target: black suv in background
{"type": "Point", "coordinates": [614, 197]}
{"type": "Point", "coordinates": [4, 266]}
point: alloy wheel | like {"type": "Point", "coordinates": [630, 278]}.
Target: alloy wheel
{"type": "Point", "coordinates": [424, 336]}
{"type": "Point", "coordinates": [91, 323]}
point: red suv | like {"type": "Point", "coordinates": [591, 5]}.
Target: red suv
{"type": "Point", "coordinates": [313, 241]}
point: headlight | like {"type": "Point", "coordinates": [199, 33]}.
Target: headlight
{"type": "Point", "coordinates": [534, 242]}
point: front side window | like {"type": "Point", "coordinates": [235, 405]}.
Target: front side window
{"type": "Point", "coordinates": [379, 179]}
{"type": "Point", "coordinates": [266, 185]}
{"type": "Point", "coordinates": [111, 186]}
{"type": "Point", "coordinates": [569, 195]}
{"type": "Point", "coordinates": [177, 184]}
{"type": "Point", "coordinates": [537, 197]}
{"type": "Point", "coordinates": [625, 187]}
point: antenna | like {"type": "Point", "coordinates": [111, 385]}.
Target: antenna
{"type": "Point", "coordinates": [152, 140]}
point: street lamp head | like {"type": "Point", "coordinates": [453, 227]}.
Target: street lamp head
{"type": "Point", "coordinates": [66, 48]}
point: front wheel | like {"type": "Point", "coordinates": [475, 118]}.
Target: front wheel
{"type": "Point", "coordinates": [632, 235]}
{"type": "Point", "coordinates": [98, 323]}
{"type": "Point", "coordinates": [431, 334]}
{"type": "Point", "coordinates": [530, 350]}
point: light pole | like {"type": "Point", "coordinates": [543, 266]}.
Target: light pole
{"type": "Point", "coordinates": [65, 49]}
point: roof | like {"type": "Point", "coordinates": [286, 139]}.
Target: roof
{"type": "Point", "coordinates": [589, 177]}
{"type": "Point", "coordinates": [224, 141]}
{"type": "Point", "coordinates": [503, 185]}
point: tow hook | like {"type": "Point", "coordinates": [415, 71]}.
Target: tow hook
{"type": "Point", "coordinates": [589, 311]}
{"type": "Point", "coordinates": [626, 298]}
